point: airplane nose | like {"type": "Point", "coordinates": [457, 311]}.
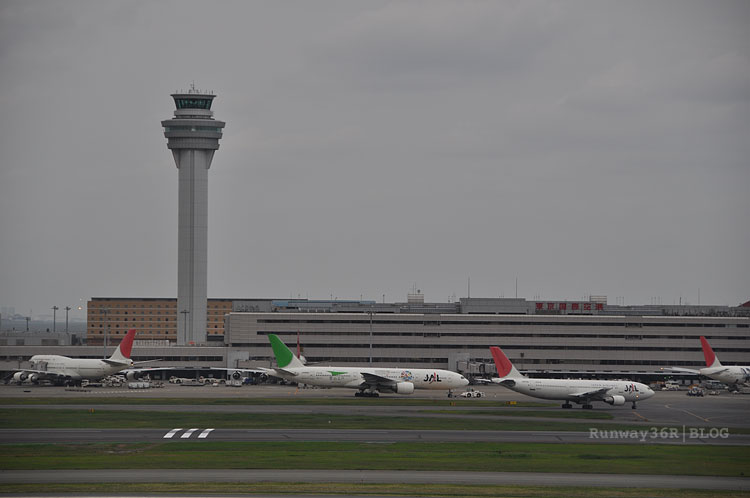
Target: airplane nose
{"type": "Point", "coordinates": [464, 381]}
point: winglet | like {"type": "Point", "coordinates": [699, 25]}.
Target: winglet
{"type": "Point", "coordinates": [709, 355]}
{"type": "Point", "coordinates": [504, 367]}
{"type": "Point", "coordinates": [284, 356]}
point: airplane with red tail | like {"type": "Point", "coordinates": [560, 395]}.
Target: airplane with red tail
{"type": "Point", "coordinates": [65, 370]}
{"type": "Point", "coordinates": [580, 391]}
{"type": "Point", "coordinates": [733, 375]}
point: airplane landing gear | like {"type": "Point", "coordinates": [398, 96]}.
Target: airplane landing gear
{"type": "Point", "coordinates": [367, 394]}
{"type": "Point", "coordinates": [633, 405]}
{"type": "Point", "coordinates": [587, 407]}
{"type": "Point", "coordinates": [567, 405]}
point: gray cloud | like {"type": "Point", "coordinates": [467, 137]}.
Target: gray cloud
{"type": "Point", "coordinates": [583, 147]}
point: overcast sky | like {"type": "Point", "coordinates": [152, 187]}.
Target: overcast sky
{"type": "Point", "coordinates": [580, 147]}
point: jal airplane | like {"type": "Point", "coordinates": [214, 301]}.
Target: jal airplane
{"type": "Point", "coordinates": [730, 375]}
{"type": "Point", "coordinates": [65, 370]}
{"type": "Point", "coordinates": [367, 380]}
{"type": "Point", "coordinates": [583, 392]}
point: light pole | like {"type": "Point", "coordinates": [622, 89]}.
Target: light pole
{"type": "Point", "coordinates": [54, 318]}
{"type": "Point", "coordinates": [27, 323]}
{"type": "Point", "coordinates": [184, 319]}
{"type": "Point", "coordinates": [67, 308]}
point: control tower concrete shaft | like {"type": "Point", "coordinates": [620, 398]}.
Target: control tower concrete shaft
{"type": "Point", "coordinates": [192, 136]}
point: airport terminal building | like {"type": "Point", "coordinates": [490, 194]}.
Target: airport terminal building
{"type": "Point", "coordinates": [551, 338]}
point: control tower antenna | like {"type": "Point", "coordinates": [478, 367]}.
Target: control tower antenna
{"type": "Point", "coordinates": [193, 137]}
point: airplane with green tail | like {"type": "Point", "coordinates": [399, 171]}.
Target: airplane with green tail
{"type": "Point", "coordinates": [369, 381]}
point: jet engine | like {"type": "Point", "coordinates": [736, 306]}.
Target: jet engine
{"type": "Point", "coordinates": [237, 375]}
{"type": "Point", "coordinates": [34, 378]}
{"type": "Point", "coordinates": [404, 388]}
{"type": "Point", "coordinates": [20, 376]}
{"type": "Point", "coordinates": [615, 400]}
{"type": "Point", "coordinates": [133, 375]}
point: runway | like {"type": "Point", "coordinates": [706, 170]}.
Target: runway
{"type": "Point", "coordinates": [665, 408]}
{"type": "Point", "coordinates": [719, 413]}
{"type": "Point", "coordinates": [374, 476]}
{"type": "Point", "coordinates": [645, 436]}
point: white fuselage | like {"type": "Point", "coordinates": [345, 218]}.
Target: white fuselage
{"type": "Point", "coordinates": [728, 375]}
{"type": "Point", "coordinates": [569, 389]}
{"type": "Point", "coordinates": [74, 368]}
{"type": "Point", "coordinates": [351, 377]}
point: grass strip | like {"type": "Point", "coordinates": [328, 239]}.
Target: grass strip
{"type": "Point", "coordinates": [510, 412]}
{"type": "Point", "coordinates": [488, 457]}
{"type": "Point", "coordinates": [436, 490]}
{"type": "Point", "coordinates": [83, 418]}
{"type": "Point", "coordinates": [290, 400]}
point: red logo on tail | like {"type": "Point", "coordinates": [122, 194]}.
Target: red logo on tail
{"type": "Point", "coordinates": [502, 362]}
{"type": "Point", "coordinates": [708, 353]}
{"type": "Point", "coordinates": [127, 343]}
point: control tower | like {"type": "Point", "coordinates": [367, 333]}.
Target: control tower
{"type": "Point", "coordinates": [192, 136]}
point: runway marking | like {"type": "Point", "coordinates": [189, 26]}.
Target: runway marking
{"type": "Point", "coordinates": [204, 434]}
{"type": "Point", "coordinates": [171, 433]}
{"type": "Point", "coordinates": [688, 412]}
{"type": "Point", "coordinates": [639, 415]}
{"type": "Point", "coordinates": [189, 433]}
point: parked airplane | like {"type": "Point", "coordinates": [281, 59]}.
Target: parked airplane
{"type": "Point", "coordinates": [730, 375]}
{"type": "Point", "coordinates": [583, 392]}
{"type": "Point", "coordinates": [65, 370]}
{"type": "Point", "coordinates": [367, 380]}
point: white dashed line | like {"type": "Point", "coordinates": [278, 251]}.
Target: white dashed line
{"type": "Point", "coordinates": [204, 434]}
{"type": "Point", "coordinates": [171, 433]}
{"type": "Point", "coordinates": [188, 433]}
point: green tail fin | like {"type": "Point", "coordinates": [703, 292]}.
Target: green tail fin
{"type": "Point", "coordinates": [284, 356]}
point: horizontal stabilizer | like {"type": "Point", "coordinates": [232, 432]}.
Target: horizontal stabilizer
{"type": "Point", "coordinates": [486, 381]}
{"type": "Point", "coordinates": [116, 363]}
{"type": "Point", "coordinates": [680, 370]}
{"type": "Point", "coordinates": [281, 371]}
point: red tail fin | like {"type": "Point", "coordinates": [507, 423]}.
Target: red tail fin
{"type": "Point", "coordinates": [503, 364]}
{"type": "Point", "coordinates": [708, 354]}
{"type": "Point", "coordinates": [127, 343]}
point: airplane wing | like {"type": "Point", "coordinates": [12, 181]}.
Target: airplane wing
{"type": "Point", "coordinates": [496, 380]}
{"type": "Point", "coordinates": [247, 370]}
{"type": "Point", "coordinates": [377, 380]}
{"type": "Point", "coordinates": [682, 370]}
{"type": "Point", "coordinates": [31, 370]}
{"type": "Point", "coordinates": [714, 372]}
{"type": "Point", "coordinates": [166, 369]}
{"type": "Point", "coordinates": [39, 374]}
{"type": "Point", "coordinates": [593, 394]}
{"type": "Point", "coordinates": [147, 361]}
{"type": "Point", "coordinates": [485, 381]}
{"type": "Point", "coordinates": [137, 372]}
